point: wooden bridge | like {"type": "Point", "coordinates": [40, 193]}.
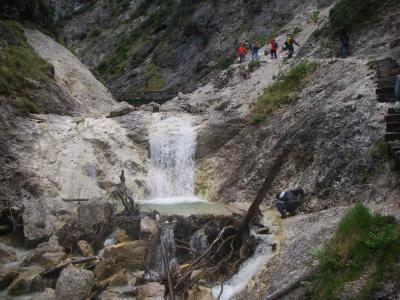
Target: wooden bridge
{"type": "Point", "coordinates": [140, 97]}
{"type": "Point", "coordinates": [387, 71]}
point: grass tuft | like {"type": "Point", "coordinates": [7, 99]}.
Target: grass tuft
{"type": "Point", "coordinates": [21, 70]}
{"type": "Point", "coordinates": [283, 91]}
{"type": "Point", "coordinates": [362, 243]}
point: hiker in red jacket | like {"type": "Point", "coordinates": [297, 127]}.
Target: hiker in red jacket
{"type": "Point", "coordinates": [241, 52]}
{"type": "Point", "coordinates": [274, 48]}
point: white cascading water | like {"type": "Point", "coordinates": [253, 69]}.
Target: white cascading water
{"type": "Point", "coordinates": [171, 172]}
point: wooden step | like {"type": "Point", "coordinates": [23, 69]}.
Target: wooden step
{"type": "Point", "coordinates": [392, 118]}
{"type": "Point", "coordinates": [391, 111]}
{"type": "Point", "coordinates": [392, 136]}
{"type": "Point", "coordinates": [393, 127]}
{"type": "Point", "coordinates": [387, 90]}
{"type": "Point", "coordinates": [386, 98]}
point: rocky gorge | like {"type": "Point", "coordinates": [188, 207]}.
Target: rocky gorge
{"type": "Point", "coordinates": [77, 164]}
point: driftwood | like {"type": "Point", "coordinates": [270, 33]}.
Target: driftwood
{"type": "Point", "coordinates": [166, 264]}
{"type": "Point", "coordinates": [292, 286]}
{"type": "Point", "coordinates": [122, 193]}
{"type": "Point", "coordinates": [64, 264]}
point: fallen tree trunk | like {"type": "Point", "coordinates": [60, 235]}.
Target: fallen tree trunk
{"type": "Point", "coordinates": [244, 228]}
{"type": "Point", "coordinates": [74, 262]}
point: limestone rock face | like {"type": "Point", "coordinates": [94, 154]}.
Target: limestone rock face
{"type": "Point", "coordinates": [27, 281]}
{"type": "Point", "coordinates": [74, 284]}
{"type": "Point", "coordinates": [7, 254]}
{"type": "Point", "coordinates": [151, 291]}
{"type": "Point", "coordinates": [128, 254]}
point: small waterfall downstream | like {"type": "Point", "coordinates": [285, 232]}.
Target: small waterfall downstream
{"type": "Point", "coordinates": [172, 168]}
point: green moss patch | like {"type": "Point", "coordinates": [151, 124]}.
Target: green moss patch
{"type": "Point", "coordinates": [22, 69]}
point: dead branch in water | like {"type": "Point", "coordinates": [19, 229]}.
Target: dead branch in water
{"type": "Point", "coordinates": [74, 262]}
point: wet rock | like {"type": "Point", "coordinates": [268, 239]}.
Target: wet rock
{"type": "Point", "coordinates": [117, 279]}
{"type": "Point", "coordinates": [28, 281]}
{"type": "Point", "coordinates": [85, 248]}
{"type": "Point", "coordinates": [200, 292]}
{"type": "Point", "coordinates": [74, 284]}
{"type": "Point", "coordinates": [105, 268]}
{"type": "Point", "coordinates": [148, 226]}
{"type": "Point", "coordinates": [35, 255]}
{"type": "Point", "coordinates": [131, 224]}
{"type": "Point", "coordinates": [152, 290]}
{"type": "Point", "coordinates": [7, 254]}
{"type": "Point", "coordinates": [123, 108]}
{"type": "Point", "coordinates": [93, 216]}
{"type": "Point", "coordinates": [48, 294]}
{"type": "Point", "coordinates": [52, 259]}
{"type": "Point", "coordinates": [128, 254]}
{"type": "Point", "coordinates": [121, 235]}
{"type": "Point", "coordinates": [7, 275]}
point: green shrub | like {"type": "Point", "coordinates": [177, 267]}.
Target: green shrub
{"type": "Point", "coordinates": [380, 150]}
{"type": "Point", "coordinates": [225, 62]}
{"type": "Point", "coordinates": [283, 91]}
{"type": "Point", "coordinates": [21, 70]}
{"type": "Point", "coordinates": [362, 242]}
{"type": "Point", "coordinates": [253, 65]}
{"type": "Point", "coordinates": [96, 32]}
{"type": "Point", "coordinates": [256, 119]}
{"type": "Point", "coordinates": [155, 81]}
{"type": "Point", "coordinates": [314, 18]}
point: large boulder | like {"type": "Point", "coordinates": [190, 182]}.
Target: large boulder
{"type": "Point", "coordinates": [52, 259]}
{"type": "Point", "coordinates": [148, 226]}
{"type": "Point", "coordinates": [48, 294]}
{"type": "Point", "coordinates": [74, 284]}
{"type": "Point", "coordinates": [123, 108]}
{"type": "Point", "coordinates": [7, 254]}
{"type": "Point", "coordinates": [120, 235]}
{"type": "Point", "coordinates": [95, 220]}
{"type": "Point", "coordinates": [28, 281]}
{"type": "Point", "coordinates": [150, 291]}
{"type": "Point", "coordinates": [7, 275]}
{"type": "Point", "coordinates": [85, 248]}
{"type": "Point", "coordinates": [35, 255]}
{"type": "Point", "coordinates": [128, 254]}
{"type": "Point", "coordinates": [105, 268]}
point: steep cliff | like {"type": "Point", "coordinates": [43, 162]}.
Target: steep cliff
{"type": "Point", "coordinates": [146, 45]}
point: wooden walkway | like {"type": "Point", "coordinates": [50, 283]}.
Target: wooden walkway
{"type": "Point", "coordinates": [145, 97]}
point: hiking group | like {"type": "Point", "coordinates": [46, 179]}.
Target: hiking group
{"type": "Point", "coordinates": [254, 47]}
{"type": "Point", "coordinates": [272, 47]}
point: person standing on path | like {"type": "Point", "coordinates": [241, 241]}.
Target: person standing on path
{"type": "Point", "coordinates": [344, 44]}
{"type": "Point", "coordinates": [289, 46]}
{"type": "Point", "coordinates": [241, 52]}
{"type": "Point", "coordinates": [255, 47]}
{"type": "Point", "coordinates": [274, 48]}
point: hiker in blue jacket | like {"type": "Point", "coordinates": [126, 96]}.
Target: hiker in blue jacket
{"type": "Point", "coordinates": [289, 201]}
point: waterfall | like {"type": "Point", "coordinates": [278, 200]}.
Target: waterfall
{"type": "Point", "coordinates": [171, 171]}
